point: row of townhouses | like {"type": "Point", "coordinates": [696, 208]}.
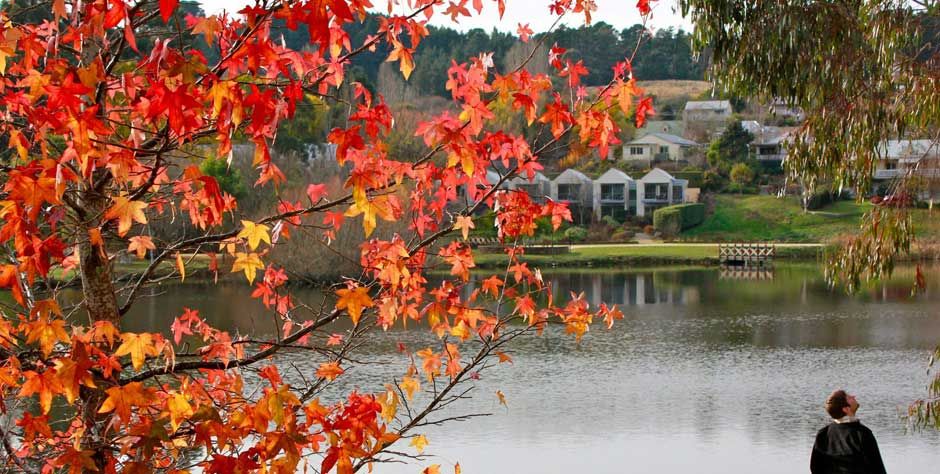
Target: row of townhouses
{"type": "Point", "coordinates": [613, 194]}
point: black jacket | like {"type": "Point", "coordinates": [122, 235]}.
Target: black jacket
{"type": "Point", "coordinates": [846, 448]}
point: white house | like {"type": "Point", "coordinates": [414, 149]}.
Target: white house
{"type": "Point", "coordinates": [770, 143]}
{"type": "Point", "coordinates": [781, 110]}
{"type": "Point", "coordinates": [908, 157]}
{"type": "Point", "coordinates": [576, 189]}
{"type": "Point", "coordinates": [537, 188]}
{"type": "Point", "coordinates": [658, 146]}
{"type": "Point", "coordinates": [614, 195]}
{"type": "Point", "coordinates": [659, 189]}
{"type": "Point", "coordinates": [706, 111]}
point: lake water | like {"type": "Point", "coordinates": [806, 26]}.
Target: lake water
{"type": "Point", "coordinates": [708, 372]}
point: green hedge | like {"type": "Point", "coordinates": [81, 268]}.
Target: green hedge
{"type": "Point", "coordinates": [674, 219]}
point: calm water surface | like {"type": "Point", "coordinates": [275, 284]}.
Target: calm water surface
{"type": "Point", "coordinates": [707, 373]}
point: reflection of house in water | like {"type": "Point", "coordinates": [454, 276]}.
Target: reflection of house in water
{"type": "Point", "coordinates": [625, 289]}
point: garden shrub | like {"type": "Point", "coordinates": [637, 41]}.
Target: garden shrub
{"type": "Point", "coordinates": [576, 234]}
{"type": "Point", "coordinates": [674, 219]}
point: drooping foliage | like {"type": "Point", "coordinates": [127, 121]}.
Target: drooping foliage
{"type": "Point", "coordinates": [109, 120]}
{"type": "Point", "coordinates": [864, 72]}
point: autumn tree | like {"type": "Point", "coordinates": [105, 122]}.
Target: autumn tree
{"type": "Point", "coordinates": [105, 135]}
{"type": "Point", "coordinates": [864, 72]}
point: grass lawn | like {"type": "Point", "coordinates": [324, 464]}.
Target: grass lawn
{"type": "Point", "coordinates": [768, 218]}
{"type": "Point", "coordinates": [634, 255]}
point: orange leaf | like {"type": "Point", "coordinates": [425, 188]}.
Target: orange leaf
{"type": "Point", "coordinates": [141, 244]}
{"type": "Point", "coordinates": [47, 333]}
{"type": "Point", "coordinates": [502, 398]}
{"type": "Point", "coordinates": [138, 346]}
{"type": "Point", "coordinates": [122, 398]}
{"type": "Point", "coordinates": [126, 212]}
{"type": "Point", "coordinates": [354, 300]}
{"type": "Point", "coordinates": [464, 224]}
{"type": "Point", "coordinates": [45, 384]}
{"type": "Point", "coordinates": [329, 371]}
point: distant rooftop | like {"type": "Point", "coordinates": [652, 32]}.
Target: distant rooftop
{"type": "Point", "coordinates": [707, 105]}
{"type": "Point", "coordinates": [665, 136]}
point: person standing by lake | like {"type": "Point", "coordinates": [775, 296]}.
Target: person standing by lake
{"type": "Point", "coordinates": [845, 446]}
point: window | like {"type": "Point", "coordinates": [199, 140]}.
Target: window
{"type": "Point", "coordinates": [664, 150]}
{"type": "Point", "coordinates": [891, 165]}
{"type": "Point", "coordinates": [633, 198]}
{"type": "Point", "coordinates": [677, 194]}
{"type": "Point", "coordinates": [569, 192]}
{"type": "Point", "coordinates": [611, 192]}
{"type": "Point", "coordinates": [533, 190]}
{"type": "Point", "coordinates": [636, 150]}
{"type": "Point", "coordinates": [658, 192]}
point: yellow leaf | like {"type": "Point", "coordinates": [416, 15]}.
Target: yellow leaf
{"type": "Point", "coordinates": [419, 443]}
{"type": "Point", "coordinates": [138, 346]}
{"type": "Point", "coordinates": [126, 212]}
{"type": "Point", "coordinates": [250, 263]}
{"type": "Point", "coordinates": [179, 409]}
{"type": "Point", "coordinates": [354, 301]}
{"type": "Point", "coordinates": [464, 224]}
{"type": "Point", "coordinates": [255, 233]}
{"type": "Point", "coordinates": [410, 385]}
{"type": "Point", "coordinates": [389, 402]}
{"type": "Point", "coordinates": [180, 267]}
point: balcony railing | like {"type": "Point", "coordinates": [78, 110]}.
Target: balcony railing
{"type": "Point", "coordinates": [777, 157]}
{"type": "Point", "coordinates": [887, 174]}
{"type": "Point", "coordinates": [656, 198]}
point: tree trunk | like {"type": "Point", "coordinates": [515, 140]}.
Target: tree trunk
{"type": "Point", "coordinates": [95, 268]}
{"type": "Point", "coordinates": [101, 305]}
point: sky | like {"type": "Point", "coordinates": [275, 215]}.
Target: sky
{"type": "Point", "coordinates": [619, 13]}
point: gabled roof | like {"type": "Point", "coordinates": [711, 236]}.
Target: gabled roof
{"type": "Point", "coordinates": [614, 175]}
{"type": "Point", "coordinates": [645, 140]}
{"type": "Point", "coordinates": [708, 105]}
{"type": "Point", "coordinates": [658, 175]}
{"type": "Point", "coordinates": [523, 179]}
{"type": "Point", "coordinates": [674, 127]}
{"type": "Point", "coordinates": [570, 175]}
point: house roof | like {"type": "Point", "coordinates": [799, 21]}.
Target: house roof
{"type": "Point", "coordinates": [657, 175]}
{"type": "Point", "coordinates": [674, 127]}
{"type": "Point", "coordinates": [614, 175]}
{"type": "Point", "coordinates": [571, 175]}
{"type": "Point", "coordinates": [910, 148]}
{"type": "Point", "coordinates": [708, 105]}
{"type": "Point", "coordinates": [645, 140]}
{"type": "Point", "coordinates": [522, 179]}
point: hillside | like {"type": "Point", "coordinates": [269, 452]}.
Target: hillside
{"type": "Point", "coordinates": [672, 89]}
{"type": "Point", "coordinates": [768, 218]}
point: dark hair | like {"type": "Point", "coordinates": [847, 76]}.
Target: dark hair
{"type": "Point", "coordinates": [836, 403]}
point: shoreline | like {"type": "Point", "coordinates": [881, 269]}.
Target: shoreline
{"type": "Point", "coordinates": [610, 256]}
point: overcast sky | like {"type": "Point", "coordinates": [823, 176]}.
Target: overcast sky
{"type": "Point", "coordinates": [620, 13]}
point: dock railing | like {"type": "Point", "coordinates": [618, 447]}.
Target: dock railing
{"type": "Point", "coordinates": [746, 253]}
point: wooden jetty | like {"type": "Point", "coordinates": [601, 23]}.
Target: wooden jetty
{"type": "Point", "coordinates": [743, 254]}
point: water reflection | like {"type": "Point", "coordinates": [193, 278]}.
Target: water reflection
{"type": "Point", "coordinates": [705, 374]}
